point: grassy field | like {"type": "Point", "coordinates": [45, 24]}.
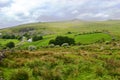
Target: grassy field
{"type": "Point", "coordinates": [95, 55]}
{"type": "Point", "coordinates": [74, 63]}
{"type": "Point", "coordinates": [79, 39]}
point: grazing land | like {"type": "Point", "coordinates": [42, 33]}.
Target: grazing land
{"type": "Point", "coordinates": [95, 54]}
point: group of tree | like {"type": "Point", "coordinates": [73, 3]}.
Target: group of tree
{"type": "Point", "coordinates": [10, 45]}
{"type": "Point", "coordinates": [59, 40]}
{"type": "Point", "coordinates": [37, 38]}
{"type": "Point", "coordinates": [19, 37]}
{"type": "Point", "coordinates": [7, 36]}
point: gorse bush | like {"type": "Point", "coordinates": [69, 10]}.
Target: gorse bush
{"type": "Point", "coordinates": [10, 45]}
{"type": "Point", "coordinates": [62, 39]}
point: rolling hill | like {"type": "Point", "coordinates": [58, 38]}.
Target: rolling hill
{"type": "Point", "coordinates": [88, 59]}
{"type": "Point", "coordinates": [84, 32]}
{"type": "Point", "coordinates": [112, 26]}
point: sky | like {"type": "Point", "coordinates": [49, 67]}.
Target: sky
{"type": "Point", "coordinates": [15, 12]}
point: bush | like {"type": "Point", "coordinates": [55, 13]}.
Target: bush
{"type": "Point", "coordinates": [65, 45]}
{"type": "Point", "coordinates": [51, 45]}
{"type": "Point", "coordinates": [31, 48]}
{"type": "Point", "coordinates": [62, 39]}
{"type": "Point", "coordinates": [69, 32]}
{"type": "Point", "coordinates": [20, 75]}
{"type": "Point", "coordinates": [19, 37]}
{"type": "Point", "coordinates": [107, 42]}
{"type": "Point", "coordinates": [37, 38]}
{"type": "Point", "coordinates": [10, 45]}
{"type": "Point", "coordinates": [8, 36]}
{"type": "Point", "coordinates": [52, 41]}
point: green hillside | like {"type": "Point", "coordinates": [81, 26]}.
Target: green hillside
{"type": "Point", "coordinates": [62, 27]}
{"type": "Point", "coordinates": [95, 55]}
{"type": "Point", "coordinates": [83, 32]}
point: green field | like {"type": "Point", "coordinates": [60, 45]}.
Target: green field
{"type": "Point", "coordinates": [82, 39]}
{"type": "Point", "coordinates": [74, 63]}
{"type": "Point", "coordinates": [94, 56]}
{"type": "Point", "coordinates": [50, 30]}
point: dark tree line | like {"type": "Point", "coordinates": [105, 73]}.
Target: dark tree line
{"type": "Point", "coordinates": [8, 36]}
{"type": "Point", "coordinates": [62, 39]}
{"type": "Point", "coordinates": [37, 38]}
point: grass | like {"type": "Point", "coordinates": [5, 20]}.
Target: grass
{"type": "Point", "coordinates": [64, 63]}
{"type": "Point", "coordinates": [82, 39]}
{"type": "Point", "coordinates": [92, 38]}
{"type": "Point", "coordinates": [79, 38]}
{"type": "Point", "coordinates": [3, 42]}
{"type": "Point", "coordinates": [63, 27]}
{"type": "Point", "coordinates": [94, 61]}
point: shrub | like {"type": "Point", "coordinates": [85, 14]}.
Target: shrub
{"type": "Point", "coordinates": [19, 37]}
{"type": "Point", "coordinates": [31, 48]}
{"type": "Point", "coordinates": [20, 75]}
{"type": "Point", "coordinates": [51, 45]}
{"type": "Point", "coordinates": [62, 39]}
{"type": "Point", "coordinates": [26, 35]}
{"type": "Point", "coordinates": [57, 46]}
{"type": "Point", "coordinates": [10, 45]}
{"type": "Point", "coordinates": [65, 45]}
{"type": "Point", "coordinates": [9, 36]}
{"type": "Point", "coordinates": [37, 38]}
{"type": "Point", "coordinates": [52, 41]}
{"type": "Point", "coordinates": [107, 42]}
{"type": "Point", "coordinates": [69, 32]}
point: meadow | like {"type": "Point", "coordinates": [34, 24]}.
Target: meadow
{"type": "Point", "coordinates": [73, 63]}
{"type": "Point", "coordinates": [94, 56]}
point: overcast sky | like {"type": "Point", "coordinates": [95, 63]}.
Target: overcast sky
{"type": "Point", "coordinates": [14, 12]}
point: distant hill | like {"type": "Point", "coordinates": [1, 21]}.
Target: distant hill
{"type": "Point", "coordinates": [78, 26]}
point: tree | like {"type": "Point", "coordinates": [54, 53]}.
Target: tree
{"type": "Point", "coordinates": [10, 45]}
{"type": "Point", "coordinates": [37, 38]}
{"type": "Point", "coordinates": [52, 41]}
{"type": "Point", "coordinates": [62, 39]}
{"type": "Point", "coordinates": [7, 36]}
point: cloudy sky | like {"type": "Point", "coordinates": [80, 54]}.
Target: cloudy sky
{"type": "Point", "coordinates": [14, 12]}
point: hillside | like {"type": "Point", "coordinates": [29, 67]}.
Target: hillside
{"type": "Point", "coordinates": [76, 26]}
{"type": "Point", "coordinates": [83, 32]}
{"type": "Point", "coordinates": [95, 55]}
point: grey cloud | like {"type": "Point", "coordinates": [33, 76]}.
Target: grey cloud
{"type": "Point", "coordinates": [56, 11]}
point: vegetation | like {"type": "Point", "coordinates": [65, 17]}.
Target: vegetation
{"type": "Point", "coordinates": [73, 63]}
{"type": "Point", "coordinates": [37, 38]}
{"type": "Point", "coordinates": [10, 45]}
{"type": "Point", "coordinates": [9, 36]}
{"type": "Point", "coordinates": [62, 39]}
{"type": "Point", "coordinates": [95, 54]}
{"type": "Point", "coordinates": [20, 75]}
